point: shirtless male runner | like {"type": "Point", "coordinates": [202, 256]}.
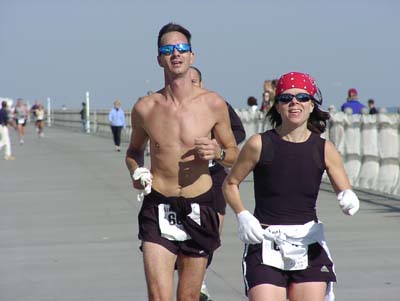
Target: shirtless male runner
{"type": "Point", "coordinates": [178, 222]}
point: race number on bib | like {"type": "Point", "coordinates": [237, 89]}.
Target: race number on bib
{"type": "Point", "coordinates": [170, 226]}
{"type": "Point", "coordinates": [21, 120]}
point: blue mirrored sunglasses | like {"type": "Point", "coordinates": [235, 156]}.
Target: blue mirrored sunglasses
{"type": "Point", "coordinates": [286, 97]}
{"type": "Point", "coordinates": [169, 49]}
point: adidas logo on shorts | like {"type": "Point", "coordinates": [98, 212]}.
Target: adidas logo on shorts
{"type": "Point", "coordinates": [324, 269]}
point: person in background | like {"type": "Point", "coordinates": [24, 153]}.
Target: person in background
{"type": "Point", "coordinates": [268, 95]}
{"type": "Point", "coordinates": [286, 255]}
{"type": "Point", "coordinates": [266, 102]}
{"type": "Point", "coordinates": [252, 104]}
{"type": "Point", "coordinates": [117, 123]}
{"type": "Point", "coordinates": [178, 222]}
{"type": "Point", "coordinates": [33, 112]}
{"type": "Point", "coordinates": [5, 121]}
{"type": "Point", "coordinates": [83, 116]}
{"type": "Point", "coordinates": [21, 117]}
{"type": "Point", "coordinates": [371, 106]}
{"type": "Point", "coordinates": [217, 171]}
{"type": "Point", "coordinates": [353, 102]}
{"type": "Point", "coordinates": [39, 119]}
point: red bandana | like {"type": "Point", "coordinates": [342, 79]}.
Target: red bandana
{"type": "Point", "coordinates": [296, 80]}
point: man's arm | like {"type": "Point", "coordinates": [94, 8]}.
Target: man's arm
{"type": "Point", "coordinates": [135, 152]}
{"type": "Point", "coordinates": [224, 136]}
{"type": "Point", "coordinates": [236, 125]}
{"type": "Point", "coordinates": [223, 148]}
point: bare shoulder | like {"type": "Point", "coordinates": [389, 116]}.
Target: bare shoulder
{"type": "Point", "coordinates": [214, 100]}
{"type": "Point", "coordinates": [251, 150]}
{"type": "Point", "coordinates": [253, 143]}
{"type": "Point", "coordinates": [332, 155]}
{"type": "Point", "coordinates": [144, 104]}
{"type": "Point", "coordinates": [330, 148]}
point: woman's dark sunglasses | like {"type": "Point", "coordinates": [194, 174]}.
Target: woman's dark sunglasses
{"type": "Point", "coordinates": [169, 49]}
{"type": "Point", "coordinates": [302, 97]}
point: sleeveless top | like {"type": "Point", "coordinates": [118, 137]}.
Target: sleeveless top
{"type": "Point", "coordinates": [287, 179]}
{"type": "Point", "coordinates": [20, 112]}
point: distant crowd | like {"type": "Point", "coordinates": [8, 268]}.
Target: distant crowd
{"type": "Point", "coordinates": [17, 117]}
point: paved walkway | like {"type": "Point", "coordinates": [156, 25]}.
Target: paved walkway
{"type": "Point", "coordinates": [68, 230]}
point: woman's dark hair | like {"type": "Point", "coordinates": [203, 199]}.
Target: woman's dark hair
{"type": "Point", "coordinates": [316, 122]}
{"type": "Point", "coordinates": [173, 27]}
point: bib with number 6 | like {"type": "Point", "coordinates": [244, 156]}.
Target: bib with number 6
{"type": "Point", "coordinates": [170, 226]}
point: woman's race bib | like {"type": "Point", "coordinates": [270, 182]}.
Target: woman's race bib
{"type": "Point", "coordinates": [170, 226]}
{"type": "Point", "coordinates": [292, 258]}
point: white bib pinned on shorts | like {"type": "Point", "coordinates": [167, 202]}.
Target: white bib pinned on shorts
{"type": "Point", "coordinates": [287, 248]}
{"type": "Point", "coordinates": [170, 226]}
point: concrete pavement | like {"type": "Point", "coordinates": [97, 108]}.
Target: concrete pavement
{"type": "Point", "coordinates": [68, 230]}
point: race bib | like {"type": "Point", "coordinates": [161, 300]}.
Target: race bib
{"type": "Point", "coordinates": [290, 258]}
{"type": "Point", "coordinates": [170, 226]}
{"type": "Point", "coordinates": [21, 120]}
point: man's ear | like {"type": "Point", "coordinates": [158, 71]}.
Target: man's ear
{"type": "Point", "coordinates": [191, 58]}
{"type": "Point", "coordinates": [159, 61]}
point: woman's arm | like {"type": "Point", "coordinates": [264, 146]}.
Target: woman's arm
{"type": "Point", "coordinates": [247, 160]}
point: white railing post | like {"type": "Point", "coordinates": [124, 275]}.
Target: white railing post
{"type": "Point", "coordinates": [48, 112]}
{"type": "Point", "coordinates": [87, 113]}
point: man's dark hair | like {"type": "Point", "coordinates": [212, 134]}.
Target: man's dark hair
{"type": "Point", "coordinates": [170, 27]}
{"type": "Point", "coordinates": [251, 101]}
{"type": "Point", "coordinates": [198, 72]}
{"type": "Point", "coordinates": [371, 101]}
{"type": "Point", "coordinates": [4, 104]}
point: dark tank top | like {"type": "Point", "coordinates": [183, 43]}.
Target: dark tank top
{"type": "Point", "coordinates": [287, 179]}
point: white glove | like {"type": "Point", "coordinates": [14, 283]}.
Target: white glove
{"type": "Point", "coordinates": [348, 201]}
{"type": "Point", "coordinates": [249, 228]}
{"type": "Point", "coordinates": [146, 179]}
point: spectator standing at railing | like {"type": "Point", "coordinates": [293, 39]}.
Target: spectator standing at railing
{"type": "Point", "coordinates": [83, 116]}
{"type": "Point", "coordinates": [352, 102]}
{"type": "Point", "coordinates": [268, 95]}
{"type": "Point", "coordinates": [252, 104]}
{"type": "Point", "coordinates": [5, 121]}
{"type": "Point", "coordinates": [266, 102]}
{"type": "Point", "coordinates": [117, 123]}
{"type": "Point", "coordinates": [285, 251]}
{"type": "Point", "coordinates": [371, 106]}
{"type": "Point", "coordinates": [218, 172]}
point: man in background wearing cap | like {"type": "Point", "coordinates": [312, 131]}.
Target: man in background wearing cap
{"type": "Point", "coordinates": [352, 102]}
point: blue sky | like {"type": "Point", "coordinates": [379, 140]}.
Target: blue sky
{"type": "Point", "coordinates": [63, 48]}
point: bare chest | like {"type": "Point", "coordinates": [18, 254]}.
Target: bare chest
{"type": "Point", "coordinates": [169, 125]}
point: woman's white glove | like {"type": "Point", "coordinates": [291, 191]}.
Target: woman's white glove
{"type": "Point", "coordinates": [146, 179]}
{"type": "Point", "coordinates": [348, 201]}
{"type": "Point", "coordinates": [249, 228]}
